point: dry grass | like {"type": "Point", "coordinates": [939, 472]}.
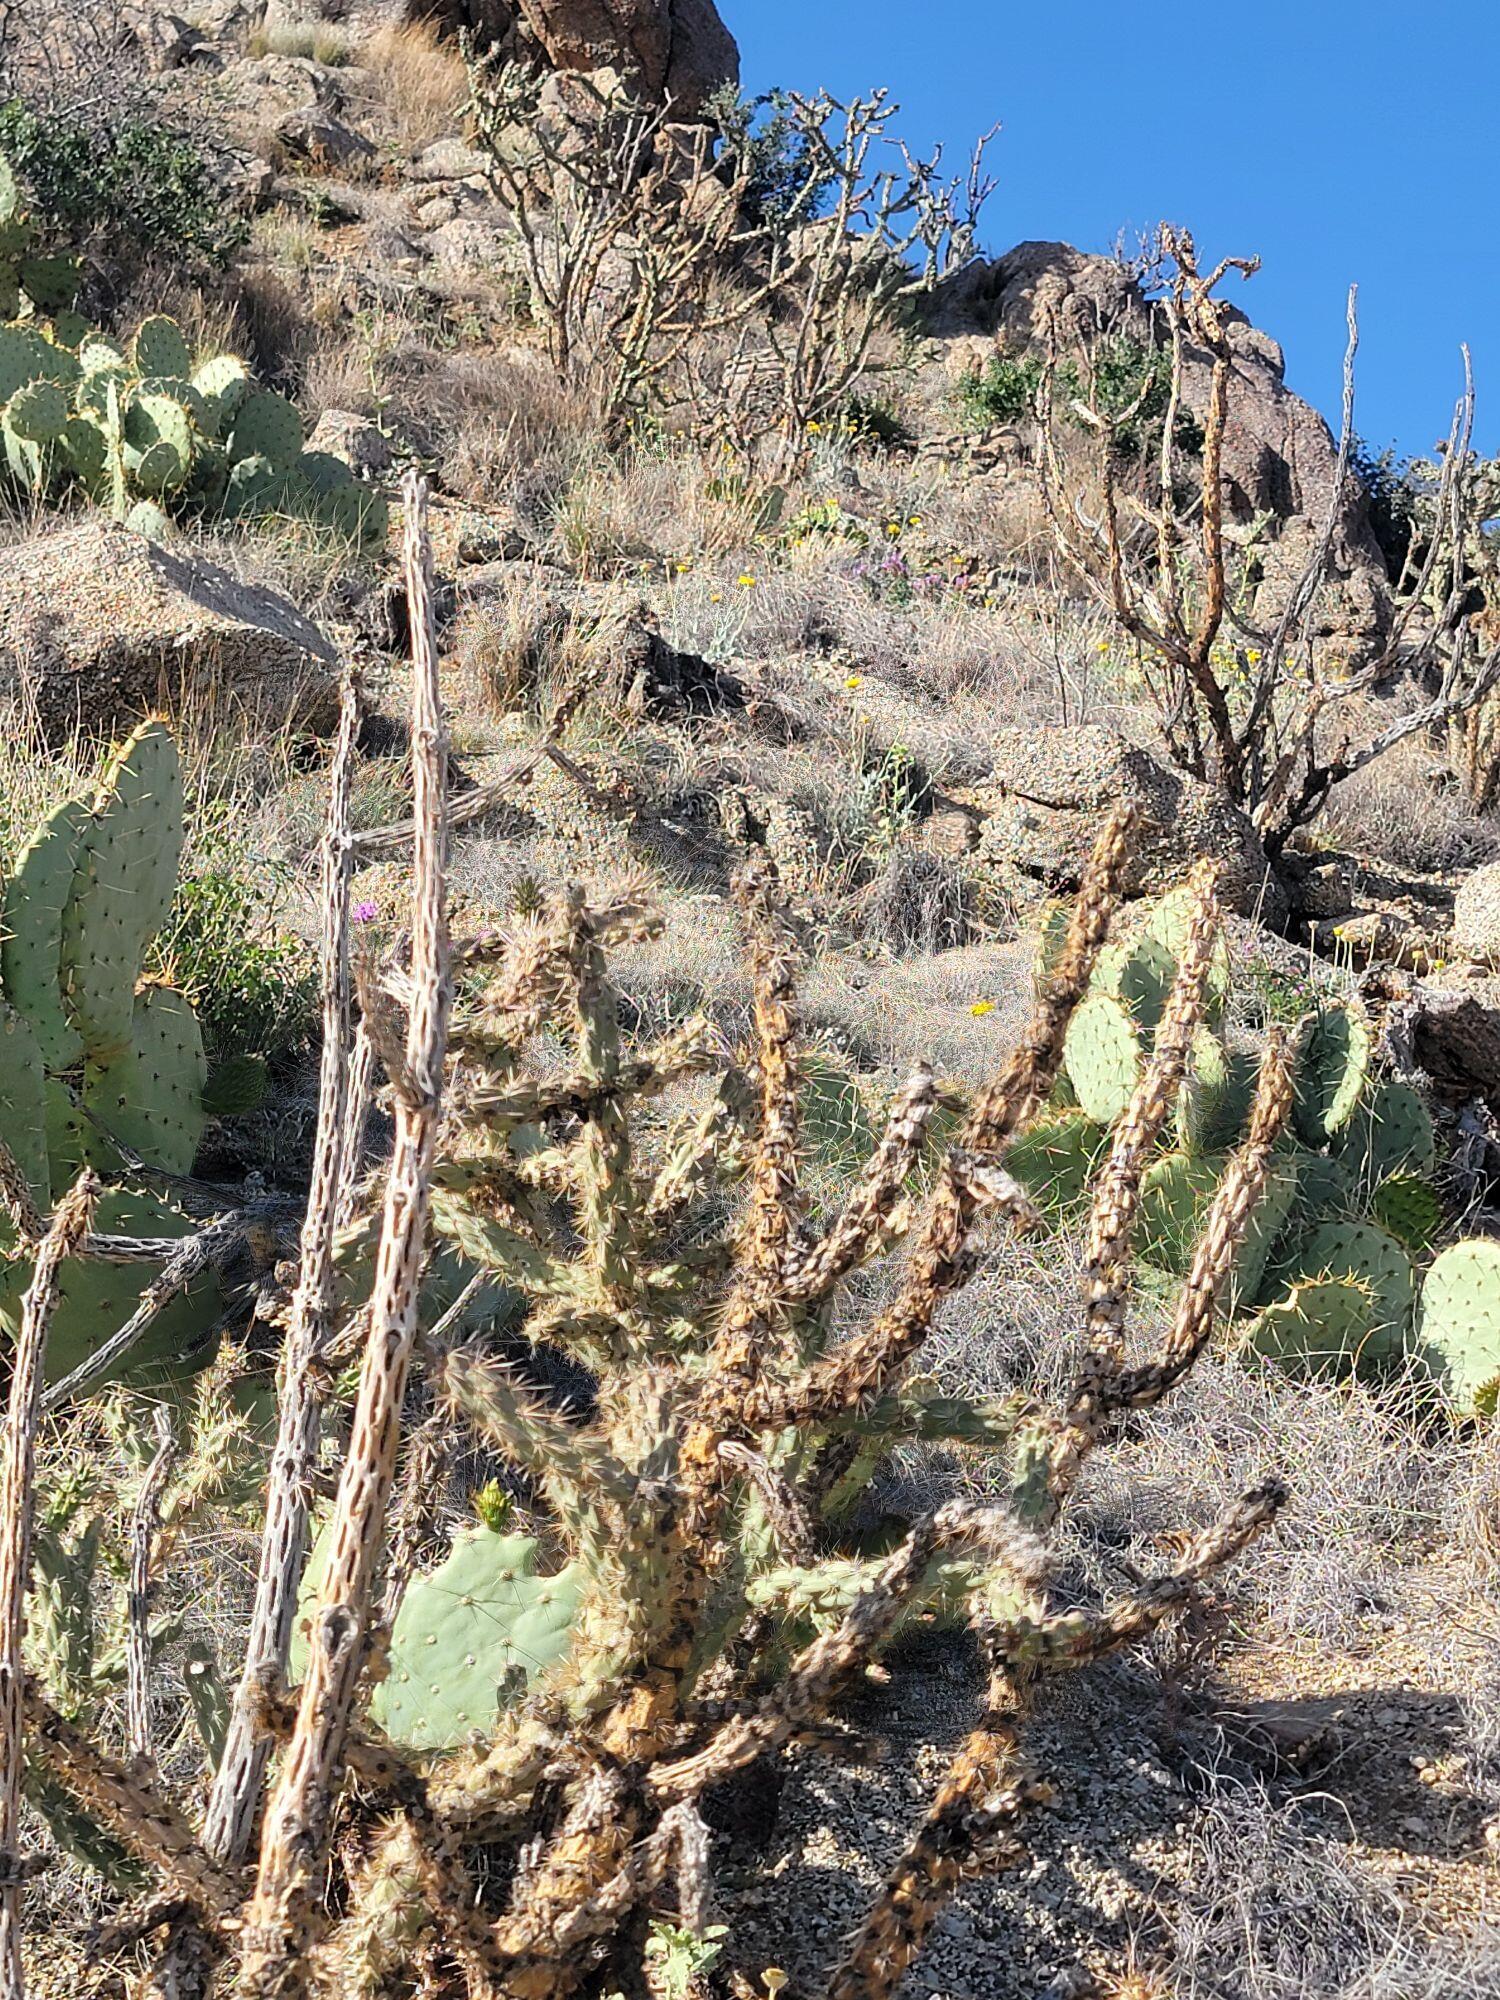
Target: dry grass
{"type": "Point", "coordinates": [420, 81]}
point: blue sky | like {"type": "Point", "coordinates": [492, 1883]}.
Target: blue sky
{"type": "Point", "coordinates": [1341, 142]}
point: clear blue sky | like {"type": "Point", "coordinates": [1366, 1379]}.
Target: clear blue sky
{"type": "Point", "coordinates": [1340, 141]}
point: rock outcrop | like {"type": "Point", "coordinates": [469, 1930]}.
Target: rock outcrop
{"type": "Point", "coordinates": [1279, 455]}
{"type": "Point", "coordinates": [98, 626]}
{"type": "Point", "coordinates": [1048, 791]}
{"type": "Point", "coordinates": [675, 52]}
{"type": "Point", "coordinates": [1476, 915]}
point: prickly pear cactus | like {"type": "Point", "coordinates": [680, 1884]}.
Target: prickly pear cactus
{"type": "Point", "coordinates": [1321, 1326]}
{"type": "Point", "coordinates": [40, 884]}
{"type": "Point", "coordinates": [1333, 1066]}
{"type": "Point", "coordinates": [1390, 1133]}
{"type": "Point", "coordinates": [1055, 1159]}
{"type": "Point", "coordinates": [1407, 1207]}
{"type": "Point", "coordinates": [1103, 1050]}
{"type": "Point", "coordinates": [1458, 1324]}
{"type": "Point", "coordinates": [1215, 1097]}
{"type": "Point", "coordinates": [469, 1638]}
{"type": "Point", "coordinates": [1361, 1254]}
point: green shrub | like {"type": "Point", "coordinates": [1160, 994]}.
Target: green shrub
{"type": "Point", "coordinates": [1004, 392]}
{"type": "Point", "coordinates": [252, 981]}
{"type": "Point", "coordinates": [1126, 380]}
{"type": "Point", "coordinates": [132, 188]}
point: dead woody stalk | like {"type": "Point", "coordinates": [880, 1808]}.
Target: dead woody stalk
{"type": "Point", "coordinates": [1249, 696]}
{"type": "Point", "coordinates": [681, 1594]}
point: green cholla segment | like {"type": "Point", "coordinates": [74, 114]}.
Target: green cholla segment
{"type": "Point", "coordinates": [1458, 1324]}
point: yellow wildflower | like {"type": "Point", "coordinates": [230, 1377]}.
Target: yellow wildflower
{"type": "Point", "coordinates": [716, 597]}
{"type": "Point", "coordinates": [1254, 657]}
{"type": "Point", "coordinates": [774, 1979]}
{"type": "Point", "coordinates": [816, 429]}
{"type": "Point", "coordinates": [915, 521]}
{"type": "Point", "coordinates": [747, 582]}
{"type": "Point", "coordinates": [1103, 646]}
{"type": "Point", "coordinates": [893, 527]}
{"type": "Point", "coordinates": [981, 1008]}
{"type": "Point", "coordinates": [854, 681]}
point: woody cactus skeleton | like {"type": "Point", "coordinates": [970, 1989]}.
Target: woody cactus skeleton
{"type": "Point", "coordinates": [689, 1599]}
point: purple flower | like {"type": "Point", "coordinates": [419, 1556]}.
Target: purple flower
{"type": "Point", "coordinates": [365, 913]}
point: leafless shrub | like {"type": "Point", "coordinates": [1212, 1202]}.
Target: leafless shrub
{"type": "Point", "coordinates": [1252, 703]}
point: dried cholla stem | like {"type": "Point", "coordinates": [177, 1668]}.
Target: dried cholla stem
{"type": "Point", "coordinates": [234, 1802]}
{"type": "Point", "coordinates": [1112, 1219]}
{"type": "Point", "coordinates": [298, 1824]}
{"type": "Point", "coordinates": [68, 1227]}
{"type": "Point", "coordinates": [145, 1522]}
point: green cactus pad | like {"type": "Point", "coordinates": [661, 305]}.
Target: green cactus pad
{"type": "Point", "coordinates": [1325, 1192]}
{"type": "Point", "coordinates": [223, 382]}
{"type": "Point", "coordinates": [469, 1639]}
{"type": "Point", "coordinates": [68, 1133]}
{"type": "Point", "coordinates": [23, 1117]}
{"type": "Point", "coordinates": [1217, 1092]}
{"type": "Point", "coordinates": [1103, 1053]}
{"type": "Point", "coordinates": [70, 328]}
{"type": "Point", "coordinates": [1140, 976]}
{"type": "Point", "coordinates": [1054, 1160]}
{"type": "Point", "coordinates": [1390, 1133]}
{"type": "Point", "coordinates": [1322, 1326]}
{"type": "Point", "coordinates": [1360, 1253]}
{"type": "Point", "coordinates": [84, 443]}
{"type": "Point", "coordinates": [95, 1299]}
{"type": "Point", "coordinates": [356, 512]}
{"type": "Point", "coordinates": [21, 360]}
{"type": "Point", "coordinates": [1458, 1324]}
{"type": "Point", "coordinates": [176, 389]}
{"type": "Point", "coordinates": [161, 469]}
{"type": "Point", "coordinates": [1175, 1196]}
{"type": "Point", "coordinates": [1169, 924]}
{"type": "Point", "coordinates": [249, 487]}
{"type": "Point", "coordinates": [1333, 1064]}
{"type": "Point", "coordinates": [149, 1096]}
{"type": "Point", "coordinates": [38, 413]}
{"type": "Point", "coordinates": [1265, 1228]}
{"type": "Point", "coordinates": [127, 876]}
{"type": "Point", "coordinates": [159, 348]}
{"type": "Point", "coordinates": [146, 518]}
{"type": "Point", "coordinates": [1408, 1208]}
{"type": "Point", "coordinates": [31, 948]}
{"type": "Point", "coordinates": [321, 472]}
{"type": "Point", "coordinates": [49, 282]}
{"type": "Point", "coordinates": [266, 426]}
{"type": "Point", "coordinates": [99, 355]}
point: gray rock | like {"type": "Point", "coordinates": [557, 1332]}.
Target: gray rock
{"type": "Point", "coordinates": [315, 135]}
{"type": "Point", "coordinates": [363, 446]}
{"type": "Point", "coordinates": [1048, 793]}
{"type": "Point", "coordinates": [98, 626]}
{"type": "Point", "coordinates": [1476, 915]}
{"type": "Point", "coordinates": [447, 160]}
{"type": "Point", "coordinates": [676, 51]}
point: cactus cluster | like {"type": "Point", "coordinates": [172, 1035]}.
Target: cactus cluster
{"type": "Point", "coordinates": [1327, 1275]}
{"type": "Point", "coordinates": [97, 1069]}
{"type": "Point", "coordinates": [144, 427]}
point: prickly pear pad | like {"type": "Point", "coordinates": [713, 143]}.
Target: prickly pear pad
{"type": "Point", "coordinates": [149, 1095]}
{"type": "Point", "coordinates": [1458, 1323]}
{"type": "Point", "coordinates": [22, 1105]}
{"type": "Point", "coordinates": [31, 945]}
{"type": "Point", "coordinates": [127, 876]}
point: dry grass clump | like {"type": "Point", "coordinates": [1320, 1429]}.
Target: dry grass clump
{"type": "Point", "coordinates": [420, 82]}
{"type": "Point", "coordinates": [1408, 809]}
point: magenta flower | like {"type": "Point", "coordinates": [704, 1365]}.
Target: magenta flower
{"type": "Point", "coordinates": [364, 913]}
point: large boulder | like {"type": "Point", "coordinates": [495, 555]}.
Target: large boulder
{"type": "Point", "coordinates": [675, 52]}
{"type": "Point", "coordinates": [1049, 790]}
{"type": "Point", "coordinates": [99, 625]}
{"type": "Point", "coordinates": [1280, 457]}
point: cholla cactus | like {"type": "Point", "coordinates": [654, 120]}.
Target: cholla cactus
{"type": "Point", "coordinates": [688, 1599]}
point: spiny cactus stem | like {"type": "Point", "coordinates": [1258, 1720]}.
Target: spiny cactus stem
{"type": "Point", "coordinates": [145, 1522]}
{"type": "Point", "coordinates": [359, 1100]}
{"type": "Point", "coordinates": [16, 1199]}
{"type": "Point", "coordinates": [294, 1841]}
{"type": "Point", "coordinates": [17, 1500]}
{"type": "Point", "coordinates": [1234, 1204]}
{"type": "Point", "coordinates": [235, 1798]}
{"type": "Point", "coordinates": [872, 1204]}
{"type": "Point", "coordinates": [985, 1791]}
{"type": "Point", "coordinates": [822, 1667]}
{"type": "Point", "coordinates": [126, 1802]}
{"type": "Point", "coordinates": [1112, 1221]}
